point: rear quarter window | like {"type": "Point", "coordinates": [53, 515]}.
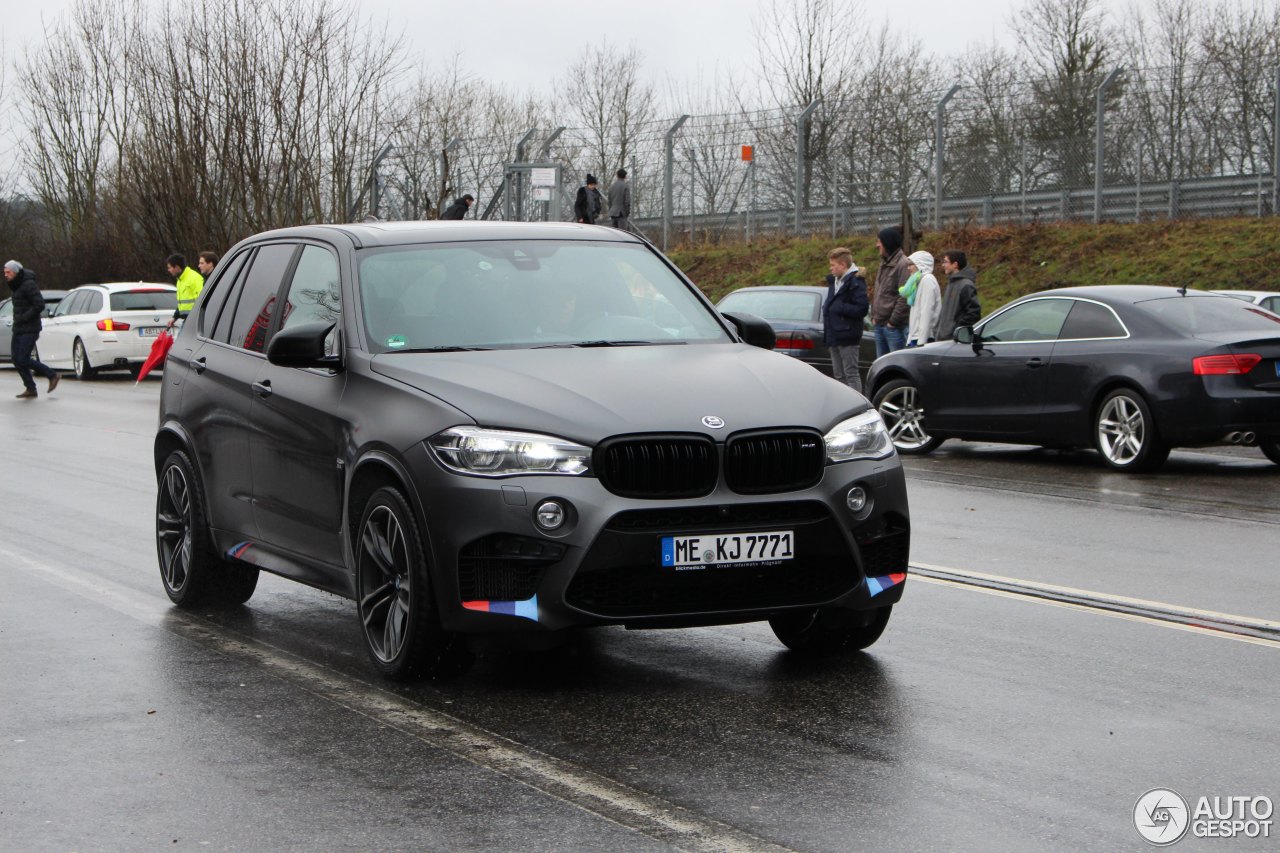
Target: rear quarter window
{"type": "Point", "coordinates": [1198, 315]}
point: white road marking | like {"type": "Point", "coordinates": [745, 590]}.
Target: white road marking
{"type": "Point", "coordinates": [606, 798]}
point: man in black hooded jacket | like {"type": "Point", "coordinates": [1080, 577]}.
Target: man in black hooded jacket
{"type": "Point", "coordinates": [28, 305]}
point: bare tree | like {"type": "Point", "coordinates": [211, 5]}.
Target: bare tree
{"type": "Point", "coordinates": [1240, 42]}
{"type": "Point", "coordinates": [603, 92]}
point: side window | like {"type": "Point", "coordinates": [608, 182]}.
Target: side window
{"type": "Point", "coordinates": [68, 306]}
{"type": "Point", "coordinates": [1272, 303]}
{"type": "Point", "coordinates": [215, 293]}
{"type": "Point", "coordinates": [258, 297]}
{"type": "Point", "coordinates": [93, 304]}
{"type": "Point", "coordinates": [315, 293]}
{"type": "Point", "coordinates": [1038, 320]}
{"type": "Point", "coordinates": [1091, 320]}
{"type": "Point", "coordinates": [6, 310]}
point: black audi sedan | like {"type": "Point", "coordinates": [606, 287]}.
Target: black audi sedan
{"type": "Point", "coordinates": [473, 429]}
{"type": "Point", "coordinates": [795, 314]}
{"type": "Point", "coordinates": [1132, 370]}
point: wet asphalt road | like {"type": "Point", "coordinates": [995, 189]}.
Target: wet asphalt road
{"type": "Point", "coordinates": [980, 721]}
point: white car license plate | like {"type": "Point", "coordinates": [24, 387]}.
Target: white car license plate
{"type": "Point", "coordinates": [726, 549]}
{"type": "Point", "coordinates": [150, 331]}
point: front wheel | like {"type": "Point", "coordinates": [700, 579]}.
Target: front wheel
{"type": "Point", "coordinates": [398, 615]}
{"type": "Point", "coordinates": [80, 362]}
{"type": "Point", "coordinates": [828, 630]}
{"type": "Point", "coordinates": [899, 405]}
{"type": "Point", "coordinates": [1270, 448]}
{"type": "Point", "coordinates": [192, 571]}
{"type": "Point", "coordinates": [1125, 433]}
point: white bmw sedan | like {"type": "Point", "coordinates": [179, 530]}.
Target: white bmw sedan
{"type": "Point", "coordinates": [106, 326]}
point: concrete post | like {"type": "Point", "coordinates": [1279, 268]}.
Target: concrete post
{"type": "Point", "coordinates": [668, 179]}
{"type": "Point", "coordinates": [937, 155]}
{"type": "Point", "coordinates": [1099, 159]}
{"type": "Point", "coordinates": [801, 123]}
{"type": "Point", "coordinates": [444, 169]}
{"type": "Point", "coordinates": [522, 157]}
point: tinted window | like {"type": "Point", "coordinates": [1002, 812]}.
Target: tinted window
{"type": "Point", "coordinates": [774, 305]}
{"type": "Point", "coordinates": [144, 300]}
{"type": "Point", "coordinates": [215, 292]}
{"type": "Point", "coordinates": [70, 304]}
{"type": "Point", "coordinates": [1091, 320]}
{"type": "Point", "coordinates": [1037, 320]}
{"type": "Point", "coordinates": [258, 297]}
{"type": "Point", "coordinates": [314, 293]}
{"type": "Point", "coordinates": [92, 303]}
{"type": "Point", "coordinates": [528, 293]}
{"type": "Point", "coordinates": [1197, 315]}
{"type": "Point", "coordinates": [1272, 303]}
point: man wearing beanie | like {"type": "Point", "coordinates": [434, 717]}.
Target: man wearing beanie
{"type": "Point", "coordinates": [28, 305]}
{"type": "Point", "coordinates": [585, 207]}
{"type": "Point", "coordinates": [890, 312]}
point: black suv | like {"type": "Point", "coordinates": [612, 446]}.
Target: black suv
{"type": "Point", "coordinates": [482, 428]}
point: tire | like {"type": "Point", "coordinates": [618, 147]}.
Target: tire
{"type": "Point", "coordinates": [1125, 433]}
{"type": "Point", "coordinates": [190, 568]}
{"type": "Point", "coordinates": [828, 630]}
{"type": "Point", "coordinates": [899, 405]}
{"type": "Point", "coordinates": [1270, 448]}
{"type": "Point", "coordinates": [398, 615]}
{"type": "Point", "coordinates": [80, 362]}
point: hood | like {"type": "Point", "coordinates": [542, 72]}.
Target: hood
{"type": "Point", "coordinates": [923, 262]}
{"type": "Point", "coordinates": [967, 272]}
{"type": "Point", "coordinates": [590, 394]}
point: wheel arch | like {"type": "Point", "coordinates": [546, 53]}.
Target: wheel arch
{"type": "Point", "coordinates": [886, 376]}
{"type": "Point", "coordinates": [373, 470]}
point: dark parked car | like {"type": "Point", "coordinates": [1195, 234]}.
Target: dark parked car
{"type": "Point", "coordinates": [51, 300]}
{"type": "Point", "coordinates": [477, 429]}
{"type": "Point", "coordinates": [795, 313]}
{"type": "Point", "coordinates": [1129, 369]}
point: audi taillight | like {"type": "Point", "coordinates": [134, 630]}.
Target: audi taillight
{"type": "Point", "coordinates": [109, 325]}
{"type": "Point", "coordinates": [793, 340]}
{"type": "Point", "coordinates": [1224, 365]}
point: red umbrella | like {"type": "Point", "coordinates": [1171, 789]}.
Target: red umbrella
{"type": "Point", "coordinates": [159, 350]}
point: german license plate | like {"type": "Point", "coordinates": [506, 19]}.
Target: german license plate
{"type": "Point", "coordinates": [727, 549]}
{"type": "Point", "coordinates": [150, 331]}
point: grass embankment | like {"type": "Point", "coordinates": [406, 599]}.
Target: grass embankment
{"type": "Point", "coordinates": [1014, 260]}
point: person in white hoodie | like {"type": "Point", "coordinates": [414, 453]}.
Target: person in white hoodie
{"type": "Point", "coordinates": [924, 296]}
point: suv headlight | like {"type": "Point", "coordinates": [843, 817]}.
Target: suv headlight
{"type": "Point", "coordinates": [502, 453]}
{"type": "Point", "coordinates": [859, 437]}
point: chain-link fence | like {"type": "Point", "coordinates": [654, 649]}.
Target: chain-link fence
{"type": "Point", "coordinates": [1119, 144]}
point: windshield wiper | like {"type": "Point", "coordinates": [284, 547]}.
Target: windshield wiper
{"type": "Point", "coordinates": [443, 349]}
{"type": "Point", "coordinates": [625, 343]}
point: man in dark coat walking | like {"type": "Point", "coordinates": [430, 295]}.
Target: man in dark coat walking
{"type": "Point", "coordinates": [28, 305]}
{"type": "Point", "coordinates": [843, 311]}
{"type": "Point", "coordinates": [459, 208]}
{"type": "Point", "coordinates": [586, 206]}
{"type": "Point", "coordinates": [960, 305]}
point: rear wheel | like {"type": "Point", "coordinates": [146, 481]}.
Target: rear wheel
{"type": "Point", "coordinates": [398, 614]}
{"type": "Point", "coordinates": [1125, 433]}
{"type": "Point", "coordinates": [80, 362]}
{"type": "Point", "coordinates": [192, 571]}
{"type": "Point", "coordinates": [899, 405]}
{"type": "Point", "coordinates": [828, 630]}
{"type": "Point", "coordinates": [1270, 448]}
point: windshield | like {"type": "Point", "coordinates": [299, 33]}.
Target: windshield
{"type": "Point", "coordinates": [532, 293]}
{"type": "Point", "coordinates": [1198, 315]}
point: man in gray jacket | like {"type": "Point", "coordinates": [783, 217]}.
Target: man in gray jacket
{"type": "Point", "coordinates": [620, 202]}
{"type": "Point", "coordinates": [960, 306]}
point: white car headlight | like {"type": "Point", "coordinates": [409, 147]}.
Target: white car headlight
{"type": "Point", "coordinates": [503, 453]}
{"type": "Point", "coordinates": [860, 437]}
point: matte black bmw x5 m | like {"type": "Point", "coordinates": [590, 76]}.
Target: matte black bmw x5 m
{"type": "Point", "coordinates": [483, 428]}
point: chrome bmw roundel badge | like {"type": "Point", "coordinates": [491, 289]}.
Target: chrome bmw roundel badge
{"type": "Point", "coordinates": [712, 422]}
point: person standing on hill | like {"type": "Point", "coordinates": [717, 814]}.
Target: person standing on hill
{"type": "Point", "coordinates": [28, 305]}
{"type": "Point", "coordinates": [923, 295]}
{"type": "Point", "coordinates": [459, 208]}
{"type": "Point", "coordinates": [586, 205]}
{"type": "Point", "coordinates": [620, 202]}
{"type": "Point", "coordinates": [843, 311]}
{"type": "Point", "coordinates": [890, 312]}
{"type": "Point", "coordinates": [960, 304]}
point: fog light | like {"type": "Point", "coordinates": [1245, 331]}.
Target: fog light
{"type": "Point", "coordinates": [856, 500]}
{"type": "Point", "coordinates": [549, 515]}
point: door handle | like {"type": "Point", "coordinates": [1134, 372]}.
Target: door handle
{"type": "Point", "coordinates": [1034, 363]}
{"type": "Point", "coordinates": [199, 365]}
{"type": "Point", "coordinates": [263, 388]}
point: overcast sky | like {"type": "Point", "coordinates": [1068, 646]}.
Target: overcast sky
{"type": "Point", "coordinates": [526, 45]}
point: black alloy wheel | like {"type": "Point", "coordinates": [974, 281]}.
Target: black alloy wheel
{"type": "Point", "coordinates": [901, 409]}
{"type": "Point", "coordinates": [190, 568]}
{"type": "Point", "coordinates": [80, 362]}
{"type": "Point", "coordinates": [1125, 433]}
{"type": "Point", "coordinates": [398, 615]}
{"type": "Point", "coordinates": [829, 630]}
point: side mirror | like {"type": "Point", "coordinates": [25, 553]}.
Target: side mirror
{"type": "Point", "coordinates": [752, 329]}
{"type": "Point", "coordinates": [303, 346]}
{"type": "Point", "coordinates": [966, 335]}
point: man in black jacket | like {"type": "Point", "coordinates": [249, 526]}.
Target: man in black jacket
{"type": "Point", "coordinates": [459, 208]}
{"type": "Point", "coordinates": [28, 305]}
{"type": "Point", "coordinates": [842, 314]}
{"type": "Point", "coordinates": [960, 305]}
{"type": "Point", "coordinates": [586, 205]}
